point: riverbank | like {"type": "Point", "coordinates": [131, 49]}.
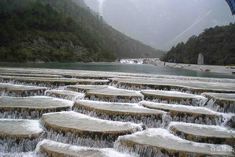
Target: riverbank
{"type": "Point", "coordinates": [194, 67]}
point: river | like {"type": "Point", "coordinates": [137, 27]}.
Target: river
{"type": "Point", "coordinates": [118, 67]}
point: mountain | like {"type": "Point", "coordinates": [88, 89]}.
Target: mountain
{"type": "Point", "coordinates": [61, 30]}
{"type": "Point", "coordinates": [217, 45]}
{"type": "Point", "coordinates": [162, 23]}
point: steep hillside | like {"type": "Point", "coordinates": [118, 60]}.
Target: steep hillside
{"type": "Point", "coordinates": [162, 23]}
{"type": "Point", "coordinates": [216, 44]}
{"type": "Point", "coordinates": [61, 30]}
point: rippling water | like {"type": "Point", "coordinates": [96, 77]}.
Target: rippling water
{"type": "Point", "coordinates": [118, 67]}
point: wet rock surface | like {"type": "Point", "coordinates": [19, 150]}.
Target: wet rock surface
{"type": "Point", "coordinates": [203, 133]}
{"type": "Point", "coordinates": [31, 107]}
{"type": "Point", "coordinates": [55, 149]}
{"type": "Point", "coordinates": [64, 94]}
{"type": "Point", "coordinates": [104, 114]}
{"type": "Point", "coordinates": [161, 142]}
{"type": "Point", "coordinates": [222, 102]}
{"type": "Point", "coordinates": [19, 135]}
{"type": "Point", "coordinates": [83, 126]}
{"type": "Point", "coordinates": [120, 112]}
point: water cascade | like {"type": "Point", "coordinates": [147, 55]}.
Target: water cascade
{"type": "Point", "coordinates": [126, 112]}
{"type": "Point", "coordinates": [160, 142]}
{"type": "Point", "coordinates": [19, 135]}
{"type": "Point", "coordinates": [114, 114]}
{"type": "Point", "coordinates": [64, 94]}
{"type": "Point", "coordinates": [80, 129]}
{"type": "Point", "coordinates": [31, 107]}
{"type": "Point", "coordinates": [221, 102]}
{"type": "Point", "coordinates": [174, 97]}
{"type": "Point", "coordinates": [112, 94]}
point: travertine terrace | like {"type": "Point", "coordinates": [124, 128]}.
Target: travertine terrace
{"type": "Point", "coordinates": [60, 113]}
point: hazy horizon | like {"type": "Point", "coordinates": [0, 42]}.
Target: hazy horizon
{"type": "Point", "coordinates": [162, 23]}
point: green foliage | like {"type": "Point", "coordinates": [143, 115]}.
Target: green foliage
{"type": "Point", "coordinates": [216, 44]}
{"type": "Point", "coordinates": [60, 30]}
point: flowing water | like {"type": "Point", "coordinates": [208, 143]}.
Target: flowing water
{"type": "Point", "coordinates": [118, 67]}
{"type": "Point", "coordinates": [162, 121]}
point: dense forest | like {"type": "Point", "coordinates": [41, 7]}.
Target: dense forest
{"type": "Point", "coordinates": [216, 44]}
{"type": "Point", "coordinates": [61, 30]}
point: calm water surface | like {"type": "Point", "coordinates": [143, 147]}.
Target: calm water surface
{"type": "Point", "coordinates": [118, 67]}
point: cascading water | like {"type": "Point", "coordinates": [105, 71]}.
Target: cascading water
{"type": "Point", "coordinates": [70, 138]}
{"type": "Point", "coordinates": [28, 113]}
{"type": "Point", "coordinates": [224, 106]}
{"type": "Point", "coordinates": [149, 121]}
{"type": "Point", "coordinates": [8, 147]}
{"type": "Point", "coordinates": [113, 99]}
{"type": "Point", "coordinates": [15, 145]}
{"type": "Point", "coordinates": [27, 154]}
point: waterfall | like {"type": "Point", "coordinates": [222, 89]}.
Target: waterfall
{"type": "Point", "coordinates": [15, 145]}
{"type": "Point", "coordinates": [70, 138]}
{"type": "Point", "coordinates": [149, 121]}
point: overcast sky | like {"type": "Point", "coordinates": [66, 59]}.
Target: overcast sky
{"type": "Point", "coordinates": [162, 23]}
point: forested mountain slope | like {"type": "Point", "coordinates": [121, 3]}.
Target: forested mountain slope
{"type": "Point", "coordinates": [61, 30]}
{"type": "Point", "coordinates": [216, 44]}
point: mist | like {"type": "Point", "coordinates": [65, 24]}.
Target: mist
{"type": "Point", "coordinates": [162, 23]}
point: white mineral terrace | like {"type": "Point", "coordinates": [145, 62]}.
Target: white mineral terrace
{"type": "Point", "coordinates": [65, 94]}
{"type": "Point", "coordinates": [180, 108]}
{"type": "Point", "coordinates": [55, 149]}
{"type": "Point", "coordinates": [221, 96]}
{"type": "Point", "coordinates": [175, 96]}
{"type": "Point", "coordinates": [120, 112]}
{"type": "Point", "coordinates": [190, 85]}
{"type": "Point", "coordinates": [113, 114]}
{"type": "Point", "coordinates": [38, 80]}
{"type": "Point", "coordinates": [202, 131]}
{"type": "Point", "coordinates": [104, 74]}
{"type": "Point", "coordinates": [15, 87]}
{"type": "Point", "coordinates": [20, 129]}
{"type": "Point", "coordinates": [31, 107]}
{"type": "Point", "coordinates": [19, 135]}
{"type": "Point", "coordinates": [155, 140]}
{"type": "Point", "coordinates": [9, 89]}
{"type": "Point", "coordinates": [80, 123]}
{"type": "Point", "coordinates": [30, 75]}
{"type": "Point", "coordinates": [82, 88]}
{"type": "Point", "coordinates": [190, 114]}
{"type": "Point", "coordinates": [116, 108]}
{"type": "Point", "coordinates": [35, 102]}
{"type": "Point", "coordinates": [114, 94]}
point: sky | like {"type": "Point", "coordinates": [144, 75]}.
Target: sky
{"type": "Point", "coordinates": [162, 23]}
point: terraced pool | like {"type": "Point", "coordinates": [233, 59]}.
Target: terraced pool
{"type": "Point", "coordinates": [52, 112]}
